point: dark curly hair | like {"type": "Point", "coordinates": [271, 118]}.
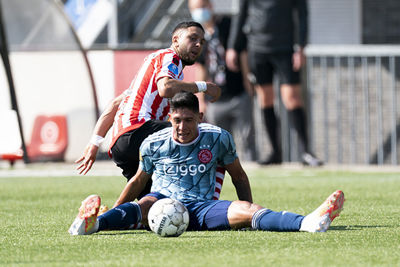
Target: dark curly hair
{"type": "Point", "coordinates": [187, 24]}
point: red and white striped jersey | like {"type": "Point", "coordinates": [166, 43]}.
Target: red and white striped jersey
{"type": "Point", "coordinates": [142, 101]}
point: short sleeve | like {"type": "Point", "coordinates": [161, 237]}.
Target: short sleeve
{"type": "Point", "coordinates": [127, 92]}
{"type": "Point", "coordinates": [169, 66]}
{"type": "Point", "coordinates": [145, 161]}
{"type": "Point", "coordinates": [227, 149]}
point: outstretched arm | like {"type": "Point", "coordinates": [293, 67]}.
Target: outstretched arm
{"type": "Point", "coordinates": [103, 124]}
{"type": "Point", "coordinates": [240, 180]}
{"type": "Point", "coordinates": [168, 87]}
{"type": "Point", "coordinates": [134, 187]}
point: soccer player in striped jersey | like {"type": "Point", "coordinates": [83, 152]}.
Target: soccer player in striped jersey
{"type": "Point", "coordinates": [143, 108]}
{"type": "Point", "coordinates": [182, 161]}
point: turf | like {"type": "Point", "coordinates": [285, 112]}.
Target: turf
{"type": "Point", "coordinates": [36, 213]}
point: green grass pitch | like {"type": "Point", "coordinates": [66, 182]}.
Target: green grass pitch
{"type": "Point", "coordinates": [36, 212]}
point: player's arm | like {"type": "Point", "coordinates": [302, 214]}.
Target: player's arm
{"type": "Point", "coordinates": [168, 87]}
{"type": "Point", "coordinates": [240, 180]}
{"type": "Point", "coordinates": [103, 124]}
{"type": "Point", "coordinates": [299, 58]}
{"type": "Point", "coordinates": [245, 69]}
{"type": "Point", "coordinates": [134, 187]}
{"type": "Point", "coordinates": [236, 40]}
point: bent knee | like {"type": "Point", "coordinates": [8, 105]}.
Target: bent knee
{"type": "Point", "coordinates": [240, 213]}
{"type": "Point", "coordinates": [145, 204]}
{"type": "Point", "coordinates": [291, 96]}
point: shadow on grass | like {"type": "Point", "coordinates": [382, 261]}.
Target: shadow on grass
{"type": "Point", "coordinates": [355, 227]}
{"type": "Point", "coordinates": [122, 233]}
{"type": "Point", "coordinates": [332, 228]}
{"type": "Point", "coordinates": [133, 232]}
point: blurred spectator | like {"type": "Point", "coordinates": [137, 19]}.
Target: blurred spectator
{"type": "Point", "coordinates": [275, 46]}
{"type": "Point", "coordinates": [233, 111]}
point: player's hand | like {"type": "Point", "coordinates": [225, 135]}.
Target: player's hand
{"type": "Point", "coordinates": [298, 60]}
{"type": "Point", "coordinates": [87, 159]}
{"type": "Point", "coordinates": [232, 60]}
{"type": "Point", "coordinates": [213, 90]}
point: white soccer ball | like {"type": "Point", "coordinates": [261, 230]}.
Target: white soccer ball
{"type": "Point", "coordinates": [168, 217]}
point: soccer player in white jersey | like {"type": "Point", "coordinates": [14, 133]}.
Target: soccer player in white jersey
{"type": "Point", "coordinates": [143, 108]}
{"type": "Point", "coordinates": [182, 161]}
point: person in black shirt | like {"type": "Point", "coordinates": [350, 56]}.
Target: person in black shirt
{"type": "Point", "coordinates": [275, 46]}
{"type": "Point", "coordinates": [233, 110]}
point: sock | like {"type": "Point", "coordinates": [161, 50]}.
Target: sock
{"type": "Point", "coordinates": [268, 220]}
{"type": "Point", "coordinates": [121, 217]}
{"type": "Point", "coordinates": [298, 120]}
{"type": "Point", "coordinates": [308, 223]}
{"type": "Point", "coordinates": [271, 125]}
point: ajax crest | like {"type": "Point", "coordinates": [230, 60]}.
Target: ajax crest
{"type": "Point", "coordinates": [205, 156]}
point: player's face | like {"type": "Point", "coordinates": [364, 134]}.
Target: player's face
{"type": "Point", "coordinates": [184, 124]}
{"type": "Point", "coordinates": [188, 44]}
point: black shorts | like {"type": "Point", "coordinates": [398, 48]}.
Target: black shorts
{"type": "Point", "coordinates": [264, 66]}
{"type": "Point", "coordinates": [125, 151]}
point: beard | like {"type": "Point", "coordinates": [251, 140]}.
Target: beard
{"type": "Point", "coordinates": [186, 60]}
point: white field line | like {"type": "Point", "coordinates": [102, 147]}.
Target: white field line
{"type": "Point", "coordinates": [100, 168]}
{"type": "Point", "coordinates": [108, 168]}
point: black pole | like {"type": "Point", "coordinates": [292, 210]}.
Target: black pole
{"type": "Point", "coordinates": [6, 62]}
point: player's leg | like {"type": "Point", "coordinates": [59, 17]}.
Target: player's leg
{"type": "Point", "coordinates": [291, 94]}
{"type": "Point", "coordinates": [225, 215]}
{"type": "Point", "coordinates": [245, 214]}
{"type": "Point", "coordinates": [293, 102]}
{"type": "Point", "coordinates": [244, 125]}
{"type": "Point", "coordinates": [265, 94]}
{"type": "Point", "coordinates": [125, 154]}
{"type": "Point", "coordinates": [118, 218]}
{"type": "Point", "coordinates": [262, 70]}
{"type": "Point", "coordinates": [321, 218]}
{"type": "Point", "coordinates": [208, 215]}
{"type": "Point", "coordinates": [128, 214]}
{"type": "Point", "coordinates": [86, 222]}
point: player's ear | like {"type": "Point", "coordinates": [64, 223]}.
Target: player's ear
{"type": "Point", "coordinates": [175, 40]}
{"type": "Point", "coordinates": [201, 116]}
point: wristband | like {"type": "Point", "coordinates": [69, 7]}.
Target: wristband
{"type": "Point", "coordinates": [96, 140]}
{"type": "Point", "coordinates": [202, 86]}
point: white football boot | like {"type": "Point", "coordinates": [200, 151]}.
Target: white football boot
{"type": "Point", "coordinates": [321, 218]}
{"type": "Point", "coordinates": [86, 222]}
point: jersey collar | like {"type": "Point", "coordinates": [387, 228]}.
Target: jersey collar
{"type": "Point", "coordinates": [186, 144]}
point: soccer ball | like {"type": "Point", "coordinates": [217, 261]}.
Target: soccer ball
{"type": "Point", "coordinates": [168, 217]}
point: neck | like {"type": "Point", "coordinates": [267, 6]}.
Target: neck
{"type": "Point", "coordinates": [176, 52]}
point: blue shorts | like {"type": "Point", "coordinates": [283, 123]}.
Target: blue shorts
{"type": "Point", "coordinates": [205, 215]}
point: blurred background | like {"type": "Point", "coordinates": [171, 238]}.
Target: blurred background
{"type": "Point", "coordinates": [63, 61]}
